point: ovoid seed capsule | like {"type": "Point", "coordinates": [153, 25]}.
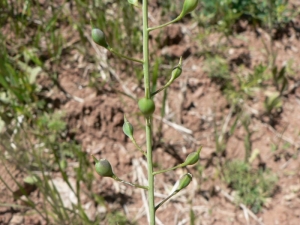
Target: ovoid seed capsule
{"type": "Point", "coordinates": [188, 6]}
{"type": "Point", "coordinates": [147, 106]}
{"type": "Point", "coordinates": [103, 168]}
{"type": "Point", "coordinates": [192, 158]}
{"type": "Point", "coordinates": [127, 128]}
{"type": "Point", "coordinates": [184, 181]}
{"type": "Point", "coordinates": [176, 72]}
{"type": "Point", "coordinates": [99, 37]}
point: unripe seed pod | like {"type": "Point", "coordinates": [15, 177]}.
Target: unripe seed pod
{"type": "Point", "coordinates": [192, 158]}
{"type": "Point", "coordinates": [127, 128]}
{"type": "Point", "coordinates": [184, 181]}
{"type": "Point", "coordinates": [147, 106]}
{"type": "Point", "coordinates": [99, 37]}
{"type": "Point", "coordinates": [176, 72]}
{"type": "Point", "coordinates": [188, 6]}
{"type": "Point", "coordinates": [103, 168]}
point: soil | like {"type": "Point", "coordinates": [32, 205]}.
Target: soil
{"type": "Point", "coordinates": [194, 107]}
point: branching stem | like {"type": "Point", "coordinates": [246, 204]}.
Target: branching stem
{"type": "Point", "coordinates": [124, 56]}
{"type": "Point", "coordinates": [129, 183]}
{"type": "Point", "coordinates": [164, 25]}
{"type": "Point", "coordinates": [167, 170]}
{"type": "Point", "coordinates": [138, 147]}
{"type": "Point", "coordinates": [148, 119]}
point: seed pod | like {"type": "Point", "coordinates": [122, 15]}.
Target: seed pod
{"type": "Point", "coordinates": [147, 106]}
{"type": "Point", "coordinates": [188, 6]}
{"type": "Point", "coordinates": [99, 37]}
{"type": "Point", "coordinates": [184, 181]}
{"type": "Point", "coordinates": [176, 72]}
{"type": "Point", "coordinates": [103, 168]}
{"type": "Point", "coordinates": [127, 128]}
{"type": "Point", "coordinates": [192, 158]}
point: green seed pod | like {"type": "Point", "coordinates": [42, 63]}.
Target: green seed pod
{"type": "Point", "coordinates": [99, 37]}
{"type": "Point", "coordinates": [176, 72]}
{"type": "Point", "coordinates": [192, 158]}
{"type": "Point", "coordinates": [184, 181]}
{"type": "Point", "coordinates": [127, 128]}
{"type": "Point", "coordinates": [147, 106]}
{"type": "Point", "coordinates": [188, 6]}
{"type": "Point", "coordinates": [103, 168]}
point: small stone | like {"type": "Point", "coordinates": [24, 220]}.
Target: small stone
{"type": "Point", "coordinates": [16, 220]}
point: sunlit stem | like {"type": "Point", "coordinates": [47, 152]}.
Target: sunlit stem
{"type": "Point", "coordinates": [138, 147]}
{"type": "Point", "coordinates": [166, 199]}
{"type": "Point", "coordinates": [124, 56]}
{"type": "Point", "coordinates": [129, 183]}
{"type": "Point", "coordinates": [173, 77]}
{"type": "Point", "coordinates": [165, 24]}
{"type": "Point", "coordinates": [167, 170]}
{"type": "Point", "coordinates": [162, 88]}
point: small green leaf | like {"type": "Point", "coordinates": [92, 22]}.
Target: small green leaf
{"type": "Point", "coordinates": [31, 180]}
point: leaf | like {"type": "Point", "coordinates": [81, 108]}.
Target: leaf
{"type": "Point", "coordinates": [31, 180]}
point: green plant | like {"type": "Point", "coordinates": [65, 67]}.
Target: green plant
{"type": "Point", "coordinates": [272, 103]}
{"type": "Point", "coordinates": [147, 108]}
{"type": "Point", "coordinates": [35, 40]}
{"type": "Point", "coordinates": [252, 187]}
{"type": "Point", "coordinates": [224, 14]}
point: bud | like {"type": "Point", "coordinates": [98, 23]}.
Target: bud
{"type": "Point", "coordinates": [176, 72]}
{"type": "Point", "coordinates": [188, 6]}
{"type": "Point", "coordinates": [184, 181]}
{"type": "Point", "coordinates": [192, 158]}
{"type": "Point", "coordinates": [127, 128]}
{"type": "Point", "coordinates": [103, 168]}
{"type": "Point", "coordinates": [99, 37]}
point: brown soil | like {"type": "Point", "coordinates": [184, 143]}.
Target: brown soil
{"type": "Point", "coordinates": [194, 106]}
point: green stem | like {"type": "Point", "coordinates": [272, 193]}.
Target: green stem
{"type": "Point", "coordinates": [150, 171]}
{"type": "Point", "coordinates": [166, 199]}
{"type": "Point", "coordinates": [165, 24]}
{"type": "Point", "coordinates": [148, 119]}
{"type": "Point", "coordinates": [129, 183]}
{"type": "Point", "coordinates": [167, 170]}
{"type": "Point", "coordinates": [124, 56]}
{"type": "Point", "coordinates": [138, 147]}
{"type": "Point", "coordinates": [162, 88]}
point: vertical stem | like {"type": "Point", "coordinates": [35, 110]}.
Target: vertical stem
{"type": "Point", "coordinates": [150, 172]}
{"type": "Point", "coordinates": [146, 49]}
{"type": "Point", "coordinates": [148, 119]}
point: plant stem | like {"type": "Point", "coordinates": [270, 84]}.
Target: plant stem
{"type": "Point", "coordinates": [165, 24]}
{"type": "Point", "coordinates": [167, 170]}
{"type": "Point", "coordinates": [148, 119]}
{"type": "Point", "coordinates": [124, 56]}
{"type": "Point", "coordinates": [162, 88]}
{"type": "Point", "coordinates": [138, 147]}
{"type": "Point", "coordinates": [166, 199]}
{"type": "Point", "coordinates": [129, 183]}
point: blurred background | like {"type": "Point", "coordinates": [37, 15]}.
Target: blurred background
{"type": "Point", "coordinates": [63, 98]}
